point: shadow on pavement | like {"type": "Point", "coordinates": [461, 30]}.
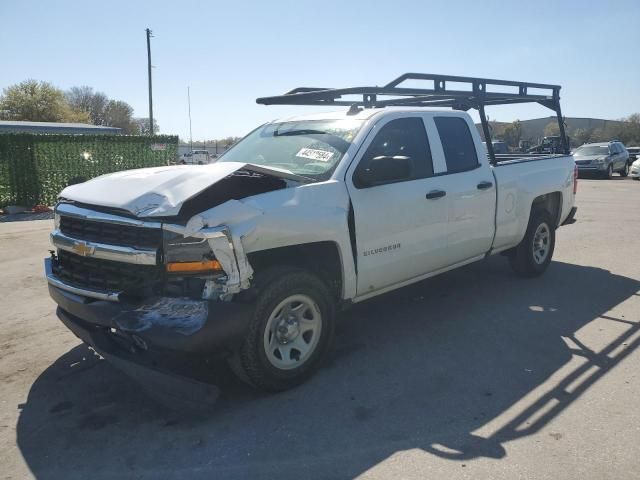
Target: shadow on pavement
{"type": "Point", "coordinates": [421, 368]}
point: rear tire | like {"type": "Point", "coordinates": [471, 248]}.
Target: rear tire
{"type": "Point", "coordinates": [625, 171]}
{"type": "Point", "coordinates": [290, 332]}
{"type": "Point", "coordinates": [533, 255]}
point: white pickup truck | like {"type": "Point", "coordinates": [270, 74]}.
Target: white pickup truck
{"type": "Point", "coordinates": [250, 258]}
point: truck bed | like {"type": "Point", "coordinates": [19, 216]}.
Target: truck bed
{"type": "Point", "coordinates": [520, 180]}
{"type": "Point", "coordinates": [511, 158]}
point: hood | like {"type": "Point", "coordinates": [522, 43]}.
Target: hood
{"type": "Point", "coordinates": [588, 157]}
{"type": "Point", "coordinates": [161, 191]}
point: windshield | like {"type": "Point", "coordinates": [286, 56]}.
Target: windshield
{"type": "Point", "coordinates": [593, 150]}
{"type": "Point", "coordinates": [312, 148]}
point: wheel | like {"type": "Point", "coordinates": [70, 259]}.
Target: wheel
{"type": "Point", "coordinates": [625, 171]}
{"type": "Point", "coordinates": [533, 255]}
{"type": "Point", "coordinates": [290, 332]}
{"type": "Point", "coordinates": [609, 173]}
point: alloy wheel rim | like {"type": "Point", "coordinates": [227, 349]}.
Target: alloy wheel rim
{"type": "Point", "coordinates": [541, 243]}
{"type": "Point", "coordinates": [292, 332]}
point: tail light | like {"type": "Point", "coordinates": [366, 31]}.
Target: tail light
{"type": "Point", "coordinates": [575, 179]}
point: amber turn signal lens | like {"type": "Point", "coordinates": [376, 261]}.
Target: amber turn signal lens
{"type": "Point", "coordinates": [193, 267]}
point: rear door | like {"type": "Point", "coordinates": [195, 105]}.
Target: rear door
{"type": "Point", "coordinates": [469, 185]}
{"type": "Point", "coordinates": [400, 227]}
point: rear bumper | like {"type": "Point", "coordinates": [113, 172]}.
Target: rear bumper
{"type": "Point", "coordinates": [160, 331]}
{"type": "Point", "coordinates": [571, 218]}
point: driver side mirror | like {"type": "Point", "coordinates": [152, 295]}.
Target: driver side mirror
{"type": "Point", "coordinates": [383, 169]}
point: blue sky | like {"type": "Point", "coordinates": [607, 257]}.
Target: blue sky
{"type": "Point", "coordinates": [229, 53]}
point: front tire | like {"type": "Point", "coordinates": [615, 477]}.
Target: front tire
{"type": "Point", "coordinates": [290, 332]}
{"type": "Point", "coordinates": [609, 173]}
{"type": "Point", "coordinates": [533, 255]}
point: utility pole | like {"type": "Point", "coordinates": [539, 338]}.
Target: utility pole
{"type": "Point", "coordinates": [149, 35]}
{"type": "Point", "coordinates": [190, 133]}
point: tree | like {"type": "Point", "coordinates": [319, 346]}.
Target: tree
{"type": "Point", "coordinates": [512, 134]}
{"type": "Point", "coordinates": [584, 135]}
{"type": "Point", "coordinates": [630, 131]}
{"type": "Point", "coordinates": [84, 99]}
{"type": "Point", "coordinates": [118, 114]}
{"type": "Point", "coordinates": [142, 126]}
{"type": "Point", "coordinates": [36, 101]}
{"type": "Point", "coordinates": [552, 129]}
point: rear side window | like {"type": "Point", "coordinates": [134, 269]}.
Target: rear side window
{"type": "Point", "coordinates": [405, 137]}
{"type": "Point", "coordinates": [457, 143]}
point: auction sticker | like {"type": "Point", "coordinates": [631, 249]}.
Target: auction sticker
{"type": "Point", "coordinates": [319, 155]}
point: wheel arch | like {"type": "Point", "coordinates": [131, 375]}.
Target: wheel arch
{"type": "Point", "coordinates": [322, 258]}
{"type": "Point", "coordinates": [551, 202]}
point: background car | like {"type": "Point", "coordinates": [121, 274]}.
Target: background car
{"type": "Point", "coordinates": [602, 158]}
{"type": "Point", "coordinates": [635, 169]}
{"type": "Point", "coordinates": [196, 157]}
{"type": "Point", "coordinates": [634, 154]}
{"type": "Point", "coordinates": [499, 147]}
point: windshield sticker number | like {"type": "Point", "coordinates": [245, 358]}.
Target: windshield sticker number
{"type": "Point", "coordinates": [319, 155]}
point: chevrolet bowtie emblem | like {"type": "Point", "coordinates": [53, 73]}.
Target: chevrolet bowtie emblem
{"type": "Point", "coordinates": [83, 249]}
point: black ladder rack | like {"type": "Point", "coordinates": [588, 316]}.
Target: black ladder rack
{"type": "Point", "coordinates": [478, 95]}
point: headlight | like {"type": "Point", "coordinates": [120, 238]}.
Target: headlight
{"type": "Point", "coordinates": [190, 265]}
{"type": "Point", "coordinates": [189, 255]}
{"type": "Point", "coordinates": [600, 160]}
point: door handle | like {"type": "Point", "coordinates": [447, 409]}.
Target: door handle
{"type": "Point", "coordinates": [433, 194]}
{"type": "Point", "coordinates": [485, 185]}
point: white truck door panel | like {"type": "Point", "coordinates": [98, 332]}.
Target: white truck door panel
{"type": "Point", "coordinates": [471, 213]}
{"type": "Point", "coordinates": [400, 233]}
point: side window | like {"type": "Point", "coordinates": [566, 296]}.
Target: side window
{"type": "Point", "coordinates": [457, 143]}
{"type": "Point", "coordinates": [401, 144]}
{"type": "Point", "coordinates": [615, 148]}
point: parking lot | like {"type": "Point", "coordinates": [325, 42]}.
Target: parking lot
{"type": "Point", "coordinates": [473, 374]}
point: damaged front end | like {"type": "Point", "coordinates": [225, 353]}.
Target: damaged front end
{"type": "Point", "coordinates": [153, 289]}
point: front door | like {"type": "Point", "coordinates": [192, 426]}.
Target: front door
{"type": "Point", "coordinates": [400, 224]}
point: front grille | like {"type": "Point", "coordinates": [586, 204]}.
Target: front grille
{"type": "Point", "coordinates": [583, 162]}
{"type": "Point", "coordinates": [105, 275]}
{"type": "Point", "coordinates": [111, 233]}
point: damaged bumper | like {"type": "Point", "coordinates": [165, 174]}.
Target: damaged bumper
{"type": "Point", "coordinates": [155, 331]}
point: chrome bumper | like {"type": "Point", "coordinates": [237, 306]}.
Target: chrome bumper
{"type": "Point", "coordinates": [103, 251]}
{"type": "Point", "coordinates": [56, 282]}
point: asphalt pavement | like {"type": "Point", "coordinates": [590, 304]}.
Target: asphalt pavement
{"type": "Point", "coordinates": [473, 374]}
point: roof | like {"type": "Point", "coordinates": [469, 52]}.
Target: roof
{"type": "Point", "coordinates": [600, 144]}
{"type": "Point", "coordinates": [54, 127]}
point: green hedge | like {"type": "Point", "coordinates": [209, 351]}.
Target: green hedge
{"type": "Point", "coordinates": [35, 168]}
